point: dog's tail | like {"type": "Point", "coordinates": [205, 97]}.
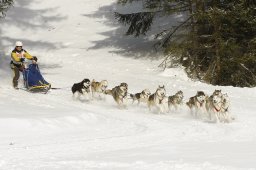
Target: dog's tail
{"type": "Point", "coordinates": [109, 92]}
{"type": "Point", "coordinates": [93, 81]}
{"type": "Point", "coordinates": [132, 96]}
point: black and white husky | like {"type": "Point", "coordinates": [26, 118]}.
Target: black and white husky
{"type": "Point", "coordinates": [81, 89]}
{"type": "Point", "coordinates": [159, 100]}
{"type": "Point", "coordinates": [141, 97]}
{"type": "Point", "coordinates": [197, 104]}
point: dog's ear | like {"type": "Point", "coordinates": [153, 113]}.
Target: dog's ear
{"type": "Point", "coordinates": [200, 93]}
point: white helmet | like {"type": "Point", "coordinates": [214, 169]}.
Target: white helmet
{"type": "Point", "coordinates": [18, 43]}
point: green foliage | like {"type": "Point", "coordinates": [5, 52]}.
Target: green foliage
{"type": "Point", "coordinates": [139, 23]}
{"type": "Point", "coordinates": [216, 42]}
{"type": "Point", "coordinates": [4, 6]}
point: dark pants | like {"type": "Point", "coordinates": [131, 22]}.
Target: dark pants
{"type": "Point", "coordinates": [16, 70]}
{"type": "Point", "coordinates": [16, 77]}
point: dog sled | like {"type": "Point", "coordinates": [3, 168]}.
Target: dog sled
{"type": "Point", "coordinates": [34, 81]}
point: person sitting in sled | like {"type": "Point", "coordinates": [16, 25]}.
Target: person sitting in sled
{"type": "Point", "coordinates": [18, 57]}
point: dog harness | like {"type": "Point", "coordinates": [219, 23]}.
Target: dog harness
{"type": "Point", "coordinates": [87, 88]}
{"type": "Point", "coordinates": [217, 110]}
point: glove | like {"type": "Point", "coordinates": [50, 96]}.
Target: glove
{"type": "Point", "coordinates": [22, 59]}
{"type": "Point", "coordinates": [34, 58]}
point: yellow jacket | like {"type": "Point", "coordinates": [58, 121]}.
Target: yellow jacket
{"type": "Point", "coordinates": [17, 55]}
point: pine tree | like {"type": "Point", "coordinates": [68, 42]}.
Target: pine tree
{"type": "Point", "coordinates": [216, 42]}
{"type": "Point", "coordinates": [4, 6]}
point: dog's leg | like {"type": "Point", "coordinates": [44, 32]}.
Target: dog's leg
{"type": "Point", "coordinates": [196, 113]}
{"type": "Point", "coordinates": [79, 96]}
{"type": "Point", "coordinates": [191, 111]}
{"type": "Point", "coordinates": [93, 94]}
{"type": "Point", "coordinates": [119, 103]}
{"type": "Point", "coordinates": [149, 106]}
{"type": "Point", "coordinates": [104, 96]}
{"type": "Point", "coordinates": [160, 108]}
{"type": "Point", "coordinates": [133, 100]}
{"type": "Point", "coordinates": [228, 117]}
{"type": "Point", "coordinates": [169, 107]}
{"type": "Point", "coordinates": [157, 107]}
{"type": "Point", "coordinates": [209, 115]}
{"type": "Point", "coordinates": [166, 108]}
{"type": "Point", "coordinates": [90, 96]}
{"type": "Point", "coordinates": [74, 96]}
{"type": "Point", "coordinates": [216, 117]}
{"type": "Point", "coordinates": [220, 116]}
{"type": "Point", "coordinates": [224, 117]}
{"type": "Point", "coordinates": [176, 107]}
{"type": "Point", "coordinates": [99, 96]}
{"type": "Point", "coordinates": [124, 102]}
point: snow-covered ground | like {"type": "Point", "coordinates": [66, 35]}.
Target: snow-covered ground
{"type": "Point", "coordinates": [80, 39]}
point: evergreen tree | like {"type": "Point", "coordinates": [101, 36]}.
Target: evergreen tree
{"type": "Point", "coordinates": [216, 43]}
{"type": "Point", "coordinates": [4, 6]}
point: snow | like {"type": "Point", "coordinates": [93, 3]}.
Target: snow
{"type": "Point", "coordinates": [81, 40]}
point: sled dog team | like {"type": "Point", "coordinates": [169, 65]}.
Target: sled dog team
{"type": "Point", "coordinates": [214, 106]}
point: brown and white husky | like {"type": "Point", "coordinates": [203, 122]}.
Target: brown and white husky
{"type": "Point", "coordinates": [99, 88]}
{"type": "Point", "coordinates": [119, 93]}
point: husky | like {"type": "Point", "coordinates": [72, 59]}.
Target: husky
{"type": "Point", "coordinates": [225, 108]}
{"type": "Point", "coordinates": [197, 103]}
{"type": "Point", "coordinates": [81, 88]}
{"type": "Point", "coordinates": [141, 97]}
{"type": "Point", "coordinates": [218, 105]}
{"type": "Point", "coordinates": [213, 104]}
{"type": "Point", "coordinates": [159, 100]}
{"type": "Point", "coordinates": [216, 94]}
{"type": "Point", "coordinates": [175, 100]}
{"type": "Point", "coordinates": [119, 93]}
{"type": "Point", "coordinates": [99, 88]}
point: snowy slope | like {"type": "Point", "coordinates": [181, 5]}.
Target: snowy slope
{"type": "Point", "coordinates": [82, 40]}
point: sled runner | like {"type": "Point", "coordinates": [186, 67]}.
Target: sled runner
{"type": "Point", "coordinates": [34, 81]}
